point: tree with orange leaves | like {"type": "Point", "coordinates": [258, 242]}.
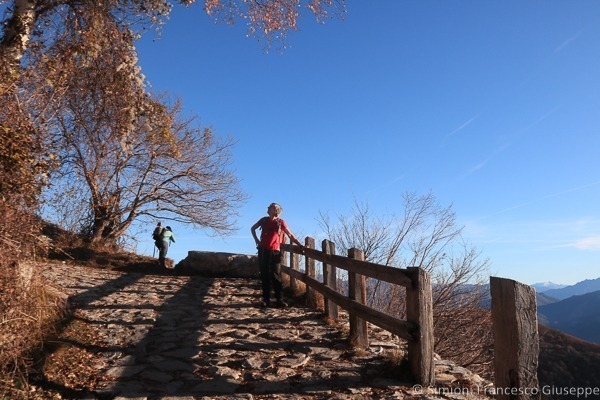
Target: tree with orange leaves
{"type": "Point", "coordinates": [271, 19]}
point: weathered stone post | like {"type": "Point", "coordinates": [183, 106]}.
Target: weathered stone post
{"type": "Point", "coordinates": [516, 340]}
{"type": "Point", "coordinates": [419, 311]}
{"type": "Point", "coordinates": [357, 290]}
{"type": "Point", "coordinates": [330, 278]}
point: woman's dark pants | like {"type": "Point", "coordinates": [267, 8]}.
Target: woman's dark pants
{"type": "Point", "coordinates": [162, 253]}
{"type": "Point", "coordinates": [270, 273]}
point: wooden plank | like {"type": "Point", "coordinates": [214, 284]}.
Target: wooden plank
{"type": "Point", "coordinates": [311, 271]}
{"type": "Point", "coordinates": [283, 262]}
{"type": "Point", "coordinates": [419, 311]}
{"type": "Point", "coordinates": [330, 280]}
{"type": "Point", "coordinates": [385, 273]}
{"type": "Point", "coordinates": [399, 327]}
{"type": "Point", "coordinates": [286, 263]}
{"type": "Point", "coordinates": [516, 340]}
{"type": "Point", "coordinates": [357, 291]}
{"type": "Point", "coordinates": [295, 264]}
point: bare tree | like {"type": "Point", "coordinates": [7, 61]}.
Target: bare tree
{"type": "Point", "coordinates": [126, 155]}
{"type": "Point", "coordinates": [426, 235]}
{"type": "Point", "coordinates": [187, 181]}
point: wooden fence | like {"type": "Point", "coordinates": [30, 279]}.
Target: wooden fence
{"type": "Point", "coordinates": [417, 329]}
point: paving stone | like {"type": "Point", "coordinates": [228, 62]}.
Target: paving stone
{"type": "Point", "coordinates": [177, 398]}
{"type": "Point", "coordinates": [294, 361]}
{"type": "Point", "coordinates": [256, 363]}
{"type": "Point", "coordinates": [175, 365]}
{"type": "Point", "coordinates": [271, 387]}
{"type": "Point", "coordinates": [125, 371]}
{"type": "Point", "coordinates": [216, 386]}
{"type": "Point", "coordinates": [130, 398]}
{"type": "Point", "coordinates": [156, 376]}
{"type": "Point", "coordinates": [174, 337]}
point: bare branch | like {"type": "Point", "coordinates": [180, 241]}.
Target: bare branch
{"type": "Point", "coordinates": [426, 236]}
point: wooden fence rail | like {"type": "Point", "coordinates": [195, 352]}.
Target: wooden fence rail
{"type": "Point", "coordinates": [417, 329]}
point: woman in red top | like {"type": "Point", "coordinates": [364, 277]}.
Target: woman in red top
{"type": "Point", "coordinates": [273, 229]}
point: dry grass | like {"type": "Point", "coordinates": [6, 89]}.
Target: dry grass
{"type": "Point", "coordinates": [29, 313]}
{"type": "Point", "coordinates": [72, 358]}
{"type": "Point", "coordinates": [26, 309]}
{"type": "Point", "coordinates": [68, 247]}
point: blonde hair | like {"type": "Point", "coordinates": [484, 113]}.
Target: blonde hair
{"type": "Point", "coordinates": [278, 208]}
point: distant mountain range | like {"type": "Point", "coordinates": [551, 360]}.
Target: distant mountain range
{"type": "Point", "coordinates": [578, 316]}
{"type": "Point", "coordinates": [543, 299]}
{"type": "Point", "coordinates": [486, 300]}
{"type": "Point", "coordinates": [573, 309]}
{"type": "Point", "coordinates": [543, 286]}
{"type": "Point", "coordinates": [587, 286]}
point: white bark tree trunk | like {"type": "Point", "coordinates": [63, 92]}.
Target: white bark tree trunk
{"type": "Point", "coordinates": [17, 32]}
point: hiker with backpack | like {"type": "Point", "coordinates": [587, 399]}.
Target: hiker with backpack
{"type": "Point", "coordinates": [273, 231]}
{"type": "Point", "coordinates": [157, 237]}
{"type": "Point", "coordinates": [162, 239]}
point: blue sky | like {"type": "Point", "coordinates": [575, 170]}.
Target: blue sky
{"type": "Point", "coordinates": [491, 106]}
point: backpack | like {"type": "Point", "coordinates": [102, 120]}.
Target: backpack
{"type": "Point", "coordinates": [158, 233]}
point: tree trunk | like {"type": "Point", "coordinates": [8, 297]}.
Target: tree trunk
{"type": "Point", "coordinates": [17, 32]}
{"type": "Point", "coordinates": [97, 229]}
{"type": "Point", "coordinates": [107, 228]}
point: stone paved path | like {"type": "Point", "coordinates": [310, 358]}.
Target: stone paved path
{"type": "Point", "coordinates": [176, 337]}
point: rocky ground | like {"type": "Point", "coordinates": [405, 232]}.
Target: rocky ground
{"type": "Point", "coordinates": [175, 337]}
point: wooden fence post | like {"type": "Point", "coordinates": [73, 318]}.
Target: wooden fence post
{"type": "Point", "coordinates": [419, 311]}
{"type": "Point", "coordinates": [516, 340]}
{"type": "Point", "coordinates": [281, 276]}
{"type": "Point", "coordinates": [311, 270]}
{"type": "Point", "coordinates": [330, 280]}
{"type": "Point", "coordinates": [294, 264]}
{"type": "Point", "coordinates": [357, 290]}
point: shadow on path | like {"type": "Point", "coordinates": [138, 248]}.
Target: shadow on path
{"type": "Point", "coordinates": [188, 337]}
{"type": "Point", "coordinates": [211, 338]}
